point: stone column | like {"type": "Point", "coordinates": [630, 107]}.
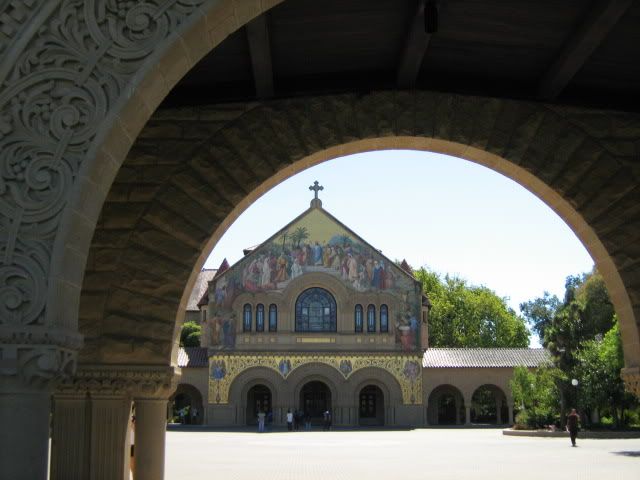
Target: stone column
{"type": "Point", "coordinates": [510, 407]}
{"type": "Point", "coordinates": [71, 419]}
{"type": "Point", "coordinates": [28, 374]}
{"type": "Point", "coordinates": [499, 411]}
{"type": "Point", "coordinates": [104, 393]}
{"type": "Point", "coordinates": [467, 415]}
{"type": "Point", "coordinates": [150, 428]}
{"type": "Point", "coordinates": [109, 418]}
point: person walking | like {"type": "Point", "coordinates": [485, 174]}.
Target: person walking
{"type": "Point", "coordinates": [261, 419]}
{"type": "Point", "coordinates": [289, 420]}
{"type": "Point", "coordinates": [572, 426]}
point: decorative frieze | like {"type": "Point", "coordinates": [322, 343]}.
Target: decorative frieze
{"type": "Point", "coordinates": [136, 381]}
{"type": "Point", "coordinates": [28, 366]}
{"type": "Point", "coordinates": [406, 369]}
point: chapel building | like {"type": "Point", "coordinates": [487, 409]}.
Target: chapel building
{"type": "Point", "coordinates": [315, 319]}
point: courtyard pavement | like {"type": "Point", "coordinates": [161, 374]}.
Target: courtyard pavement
{"type": "Point", "coordinates": [403, 455]}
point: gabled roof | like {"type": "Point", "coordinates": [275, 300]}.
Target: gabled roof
{"type": "Point", "coordinates": [484, 357]}
{"type": "Point", "coordinates": [192, 357]}
{"type": "Point", "coordinates": [256, 249]}
{"type": "Point", "coordinates": [200, 288]}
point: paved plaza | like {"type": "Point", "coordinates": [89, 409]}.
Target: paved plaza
{"type": "Point", "coordinates": [403, 455]}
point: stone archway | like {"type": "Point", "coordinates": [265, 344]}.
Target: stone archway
{"type": "Point", "coordinates": [489, 405]}
{"type": "Point", "coordinates": [187, 397]}
{"type": "Point", "coordinates": [259, 399]}
{"type": "Point", "coordinates": [106, 85]}
{"type": "Point", "coordinates": [446, 406]}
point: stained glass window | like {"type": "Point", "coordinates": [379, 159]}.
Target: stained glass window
{"type": "Point", "coordinates": [273, 318]}
{"type": "Point", "coordinates": [246, 318]}
{"type": "Point", "coordinates": [384, 318]}
{"type": "Point", "coordinates": [371, 318]}
{"type": "Point", "coordinates": [260, 318]}
{"type": "Point", "coordinates": [316, 311]}
{"type": "Point", "coordinates": [358, 319]}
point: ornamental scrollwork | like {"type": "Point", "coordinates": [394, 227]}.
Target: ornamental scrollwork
{"type": "Point", "coordinates": [56, 89]}
{"type": "Point", "coordinates": [406, 369]}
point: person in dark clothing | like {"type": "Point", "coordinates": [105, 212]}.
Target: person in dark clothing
{"type": "Point", "coordinates": [572, 426]}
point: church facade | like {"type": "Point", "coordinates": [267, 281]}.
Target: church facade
{"type": "Point", "coordinates": [315, 319]}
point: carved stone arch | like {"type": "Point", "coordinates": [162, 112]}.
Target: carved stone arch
{"type": "Point", "coordinates": [433, 398]}
{"type": "Point", "coordinates": [255, 376]}
{"type": "Point", "coordinates": [380, 378]}
{"type": "Point", "coordinates": [316, 371]}
{"type": "Point", "coordinates": [314, 279]}
{"type": "Point", "coordinates": [388, 120]}
{"type": "Point", "coordinates": [499, 398]}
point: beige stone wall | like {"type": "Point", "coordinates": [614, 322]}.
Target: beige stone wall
{"type": "Point", "coordinates": [466, 380]}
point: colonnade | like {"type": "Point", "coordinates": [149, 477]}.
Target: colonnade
{"type": "Point", "coordinates": [90, 418]}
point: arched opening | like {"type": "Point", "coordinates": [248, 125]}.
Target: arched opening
{"type": "Point", "coordinates": [186, 405]}
{"type": "Point", "coordinates": [446, 406]}
{"type": "Point", "coordinates": [489, 405]}
{"type": "Point", "coordinates": [258, 400]}
{"type": "Point", "coordinates": [315, 399]}
{"type": "Point", "coordinates": [371, 406]}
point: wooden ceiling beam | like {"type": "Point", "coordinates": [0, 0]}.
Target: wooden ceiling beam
{"type": "Point", "coordinates": [580, 45]}
{"type": "Point", "coordinates": [260, 51]}
{"type": "Point", "coordinates": [414, 49]}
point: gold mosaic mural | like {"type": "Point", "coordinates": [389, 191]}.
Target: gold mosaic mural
{"type": "Point", "coordinates": [406, 369]}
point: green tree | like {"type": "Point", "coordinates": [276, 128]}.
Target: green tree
{"type": "Point", "coordinates": [566, 327]}
{"type": "Point", "coordinates": [464, 315]}
{"type": "Point", "coordinates": [536, 395]}
{"type": "Point", "coordinates": [599, 362]}
{"type": "Point", "coordinates": [190, 335]}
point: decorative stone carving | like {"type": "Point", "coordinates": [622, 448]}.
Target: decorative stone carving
{"type": "Point", "coordinates": [136, 381]}
{"type": "Point", "coordinates": [63, 71]}
{"type": "Point", "coordinates": [223, 370]}
{"type": "Point", "coordinates": [28, 367]}
{"type": "Point", "coordinates": [631, 377]}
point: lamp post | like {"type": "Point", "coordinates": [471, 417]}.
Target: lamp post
{"type": "Point", "coordinates": [575, 383]}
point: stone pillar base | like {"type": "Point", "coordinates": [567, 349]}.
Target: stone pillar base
{"type": "Point", "coordinates": [24, 434]}
{"type": "Point", "coordinates": [150, 428]}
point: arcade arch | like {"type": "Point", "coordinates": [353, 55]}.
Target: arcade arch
{"type": "Point", "coordinates": [489, 405]}
{"type": "Point", "coordinates": [446, 406]}
{"type": "Point", "coordinates": [82, 264]}
{"type": "Point", "coordinates": [187, 399]}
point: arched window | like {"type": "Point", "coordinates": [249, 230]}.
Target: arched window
{"type": "Point", "coordinates": [371, 318]}
{"type": "Point", "coordinates": [384, 319]}
{"type": "Point", "coordinates": [273, 318]}
{"type": "Point", "coordinates": [246, 318]}
{"type": "Point", "coordinates": [315, 311]}
{"type": "Point", "coordinates": [260, 318]}
{"type": "Point", "coordinates": [358, 319]}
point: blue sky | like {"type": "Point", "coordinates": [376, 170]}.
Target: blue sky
{"type": "Point", "coordinates": [448, 214]}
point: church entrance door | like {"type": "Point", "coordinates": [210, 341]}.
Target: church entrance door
{"type": "Point", "coordinates": [371, 410]}
{"type": "Point", "coordinates": [315, 399]}
{"type": "Point", "coordinates": [258, 398]}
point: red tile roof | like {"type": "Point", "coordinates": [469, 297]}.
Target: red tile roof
{"type": "Point", "coordinates": [484, 357]}
{"type": "Point", "coordinates": [193, 357]}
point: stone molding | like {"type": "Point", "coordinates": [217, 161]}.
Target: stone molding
{"type": "Point", "coordinates": [631, 377]}
{"type": "Point", "coordinates": [139, 382]}
{"type": "Point", "coordinates": [28, 367]}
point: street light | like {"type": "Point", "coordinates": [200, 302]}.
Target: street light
{"type": "Point", "coordinates": [575, 383]}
